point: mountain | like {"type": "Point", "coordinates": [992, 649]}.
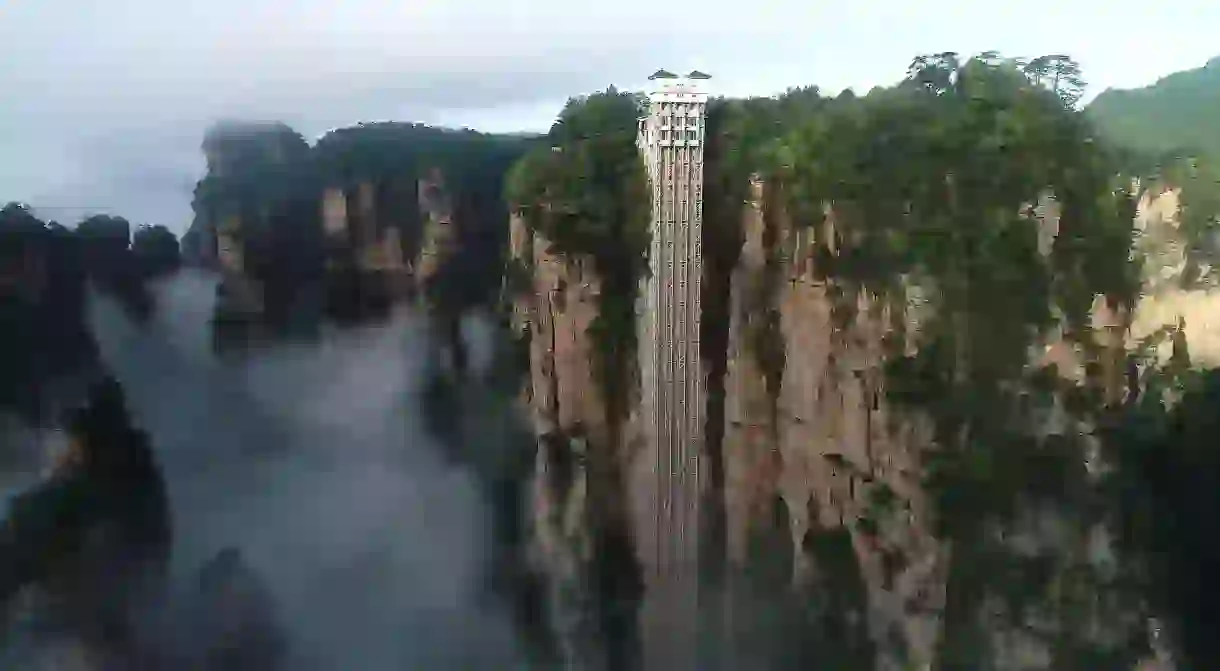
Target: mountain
{"type": "Point", "coordinates": [1180, 111]}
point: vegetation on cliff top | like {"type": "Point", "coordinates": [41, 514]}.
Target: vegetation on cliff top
{"type": "Point", "coordinates": [586, 191]}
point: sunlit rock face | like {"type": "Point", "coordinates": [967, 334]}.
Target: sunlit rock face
{"type": "Point", "coordinates": [825, 438]}
{"type": "Point", "coordinates": [1164, 302]}
{"type": "Point", "coordinates": [556, 312]}
{"type": "Point", "coordinates": [1159, 241]}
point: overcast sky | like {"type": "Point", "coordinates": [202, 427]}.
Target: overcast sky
{"type": "Point", "coordinates": [104, 103]}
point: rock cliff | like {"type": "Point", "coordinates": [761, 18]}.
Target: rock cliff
{"type": "Point", "coordinates": [578, 512]}
{"type": "Point", "coordinates": [812, 434]}
{"type": "Point", "coordinates": [1165, 301]}
{"type": "Point", "coordinates": [818, 465]}
{"type": "Point", "coordinates": [808, 428]}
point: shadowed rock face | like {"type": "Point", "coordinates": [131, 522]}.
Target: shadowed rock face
{"type": "Point", "coordinates": [94, 538]}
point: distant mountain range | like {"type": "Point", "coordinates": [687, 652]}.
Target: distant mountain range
{"type": "Point", "coordinates": [1179, 112]}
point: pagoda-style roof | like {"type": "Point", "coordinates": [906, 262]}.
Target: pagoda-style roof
{"type": "Point", "coordinates": [662, 74]}
{"type": "Point", "coordinates": [696, 74]}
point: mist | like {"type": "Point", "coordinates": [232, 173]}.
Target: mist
{"type": "Point", "coordinates": [315, 460]}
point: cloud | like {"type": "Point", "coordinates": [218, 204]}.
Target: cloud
{"type": "Point", "coordinates": [111, 102]}
{"type": "Point", "coordinates": [105, 103]}
{"type": "Point", "coordinates": [317, 462]}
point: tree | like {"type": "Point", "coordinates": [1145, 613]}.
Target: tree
{"type": "Point", "coordinates": [106, 240]}
{"type": "Point", "coordinates": [42, 300]}
{"type": "Point", "coordinates": [1060, 74]}
{"type": "Point", "coordinates": [155, 249]}
{"type": "Point", "coordinates": [105, 243]}
{"type": "Point", "coordinates": [934, 72]}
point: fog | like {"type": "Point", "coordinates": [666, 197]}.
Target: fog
{"type": "Point", "coordinates": [315, 461]}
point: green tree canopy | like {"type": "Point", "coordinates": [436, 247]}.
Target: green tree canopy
{"type": "Point", "coordinates": [1176, 114]}
{"type": "Point", "coordinates": [155, 248]}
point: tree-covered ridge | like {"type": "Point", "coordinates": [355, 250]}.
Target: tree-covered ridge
{"type": "Point", "coordinates": [347, 156]}
{"type": "Point", "coordinates": [1179, 113]}
{"type": "Point", "coordinates": [257, 166]}
{"type": "Point", "coordinates": [268, 178]}
{"type": "Point", "coordinates": [585, 190]}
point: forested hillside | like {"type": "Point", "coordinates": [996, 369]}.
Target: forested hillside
{"type": "Point", "coordinates": [1179, 113]}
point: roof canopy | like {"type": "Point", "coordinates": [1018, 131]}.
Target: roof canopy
{"type": "Point", "coordinates": [696, 74]}
{"type": "Point", "coordinates": [662, 74]}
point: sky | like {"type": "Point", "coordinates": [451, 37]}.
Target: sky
{"type": "Point", "coordinates": [105, 103]}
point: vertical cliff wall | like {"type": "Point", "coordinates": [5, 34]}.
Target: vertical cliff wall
{"type": "Point", "coordinates": [815, 456]}
{"type": "Point", "coordinates": [808, 430]}
{"type": "Point", "coordinates": [823, 485]}
{"type": "Point", "coordinates": [577, 503]}
{"type": "Point", "coordinates": [554, 312]}
{"type": "Point", "coordinates": [885, 430]}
